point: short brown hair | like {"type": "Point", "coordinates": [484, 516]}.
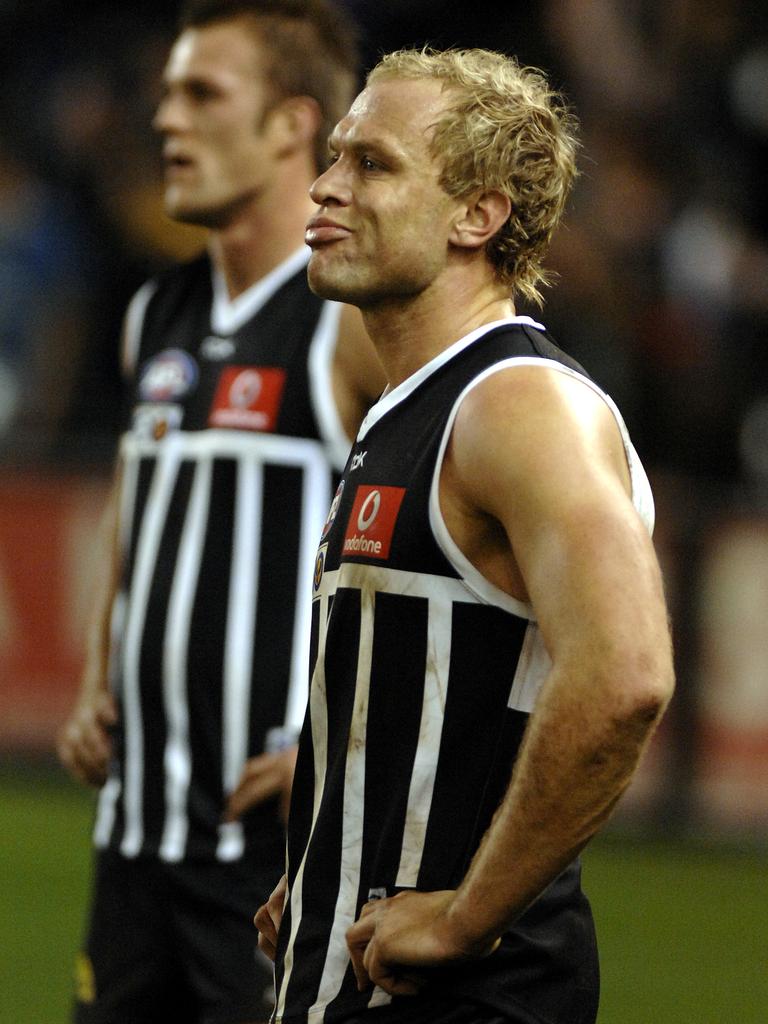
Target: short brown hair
{"type": "Point", "coordinates": [311, 46]}
{"type": "Point", "coordinates": [505, 130]}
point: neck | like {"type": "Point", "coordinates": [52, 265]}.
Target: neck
{"type": "Point", "coordinates": [408, 333]}
{"type": "Point", "coordinates": [261, 235]}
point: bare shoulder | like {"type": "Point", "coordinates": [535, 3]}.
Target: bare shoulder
{"type": "Point", "coordinates": [535, 426]}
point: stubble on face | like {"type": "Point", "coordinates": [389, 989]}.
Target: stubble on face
{"type": "Point", "coordinates": [399, 214]}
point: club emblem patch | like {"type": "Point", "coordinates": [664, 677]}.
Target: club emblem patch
{"type": "Point", "coordinates": [319, 566]}
{"type": "Point", "coordinates": [152, 421]}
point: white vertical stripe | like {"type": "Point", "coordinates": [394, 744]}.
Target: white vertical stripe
{"type": "Point", "coordinates": [337, 956]}
{"type": "Point", "coordinates": [430, 730]}
{"type": "Point", "coordinates": [177, 757]}
{"type": "Point", "coordinates": [238, 645]}
{"type": "Point", "coordinates": [533, 666]}
{"type": "Point", "coordinates": [319, 719]}
{"type": "Point", "coordinates": [158, 499]}
{"type": "Point", "coordinates": [105, 813]}
{"type": "Point", "coordinates": [316, 499]}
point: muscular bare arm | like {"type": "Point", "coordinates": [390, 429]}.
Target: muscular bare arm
{"type": "Point", "coordinates": [535, 491]}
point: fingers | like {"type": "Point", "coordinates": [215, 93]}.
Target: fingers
{"type": "Point", "coordinates": [106, 710]}
{"type": "Point", "coordinates": [267, 931]}
{"type": "Point", "coordinates": [268, 918]}
{"type": "Point", "coordinates": [85, 747]}
{"type": "Point", "coordinates": [364, 952]}
{"type": "Point", "coordinates": [263, 777]}
{"type": "Point", "coordinates": [358, 939]}
{"type": "Point", "coordinates": [259, 781]}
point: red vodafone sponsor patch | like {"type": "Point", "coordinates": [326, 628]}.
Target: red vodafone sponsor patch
{"type": "Point", "coordinates": [372, 521]}
{"type": "Point", "coordinates": [248, 398]}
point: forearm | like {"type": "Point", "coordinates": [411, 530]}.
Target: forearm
{"type": "Point", "coordinates": [577, 758]}
{"type": "Point", "coordinates": [94, 676]}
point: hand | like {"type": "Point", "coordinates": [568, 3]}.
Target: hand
{"type": "Point", "coordinates": [410, 930]}
{"type": "Point", "coordinates": [268, 918]}
{"type": "Point", "coordinates": [263, 777]}
{"type": "Point", "coordinates": [84, 745]}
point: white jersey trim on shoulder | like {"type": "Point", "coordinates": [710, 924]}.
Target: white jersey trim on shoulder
{"type": "Point", "coordinates": [486, 591]}
{"type": "Point", "coordinates": [321, 354]}
{"type": "Point", "coordinates": [229, 315]}
{"type": "Point", "coordinates": [133, 325]}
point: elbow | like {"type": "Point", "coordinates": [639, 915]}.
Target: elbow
{"type": "Point", "coordinates": [646, 694]}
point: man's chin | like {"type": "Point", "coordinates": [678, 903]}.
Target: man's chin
{"type": "Point", "coordinates": [329, 285]}
{"type": "Point", "coordinates": [185, 212]}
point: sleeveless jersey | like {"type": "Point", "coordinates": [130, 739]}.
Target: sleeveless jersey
{"type": "Point", "coordinates": [423, 677]}
{"type": "Point", "coordinates": [226, 475]}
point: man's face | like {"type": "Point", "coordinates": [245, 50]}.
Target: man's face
{"type": "Point", "coordinates": [384, 221]}
{"type": "Point", "coordinates": [216, 152]}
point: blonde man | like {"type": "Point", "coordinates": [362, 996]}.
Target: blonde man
{"type": "Point", "coordinates": [488, 605]}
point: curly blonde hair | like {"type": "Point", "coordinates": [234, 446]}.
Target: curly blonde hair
{"type": "Point", "coordinates": [506, 130]}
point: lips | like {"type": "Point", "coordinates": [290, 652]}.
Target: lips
{"type": "Point", "coordinates": [321, 230]}
{"type": "Point", "coordinates": [176, 162]}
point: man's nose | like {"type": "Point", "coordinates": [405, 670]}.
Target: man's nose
{"type": "Point", "coordinates": [169, 116]}
{"type": "Point", "coordinates": [331, 187]}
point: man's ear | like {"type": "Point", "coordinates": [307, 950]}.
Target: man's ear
{"type": "Point", "coordinates": [480, 217]}
{"type": "Point", "coordinates": [293, 124]}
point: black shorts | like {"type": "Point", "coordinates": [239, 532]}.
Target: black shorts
{"type": "Point", "coordinates": [420, 1010]}
{"type": "Point", "coordinates": [174, 944]}
{"type": "Point", "coordinates": [425, 1009]}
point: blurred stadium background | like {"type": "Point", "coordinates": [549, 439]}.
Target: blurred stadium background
{"type": "Point", "coordinates": [663, 295]}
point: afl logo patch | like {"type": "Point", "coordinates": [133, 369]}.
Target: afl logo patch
{"type": "Point", "coordinates": [248, 398]}
{"type": "Point", "coordinates": [372, 521]}
{"type": "Point", "coordinates": [168, 376]}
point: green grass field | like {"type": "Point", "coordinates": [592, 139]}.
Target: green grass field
{"type": "Point", "coordinates": [683, 930]}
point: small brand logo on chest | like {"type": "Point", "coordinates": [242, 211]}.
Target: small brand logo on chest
{"type": "Point", "coordinates": [248, 398]}
{"type": "Point", "coordinates": [215, 348]}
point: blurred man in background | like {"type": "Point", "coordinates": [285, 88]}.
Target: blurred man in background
{"type": "Point", "coordinates": [245, 390]}
{"type": "Point", "coordinates": [490, 636]}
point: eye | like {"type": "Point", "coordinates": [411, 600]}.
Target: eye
{"type": "Point", "coordinates": [200, 91]}
{"type": "Point", "coordinates": [367, 164]}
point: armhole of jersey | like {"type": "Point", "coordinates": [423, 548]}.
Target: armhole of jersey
{"type": "Point", "coordinates": [320, 365]}
{"type": "Point", "coordinates": [642, 498]}
{"type": "Point", "coordinates": [133, 325]}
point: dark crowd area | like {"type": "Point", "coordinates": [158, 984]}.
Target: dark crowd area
{"type": "Point", "coordinates": [662, 290]}
{"type": "Point", "coordinates": [663, 259]}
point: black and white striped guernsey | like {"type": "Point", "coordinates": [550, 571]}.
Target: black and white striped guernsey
{"type": "Point", "coordinates": [423, 678]}
{"type": "Point", "coordinates": [227, 461]}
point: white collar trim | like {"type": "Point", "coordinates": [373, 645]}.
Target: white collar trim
{"type": "Point", "coordinates": [392, 398]}
{"type": "Point", "coordinates": [228, 315]}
